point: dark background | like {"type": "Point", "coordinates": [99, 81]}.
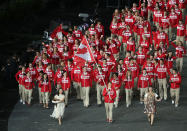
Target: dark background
{"type": "Point", "coordinates": [22, 23]}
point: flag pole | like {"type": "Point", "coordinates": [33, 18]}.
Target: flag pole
{"type": "Point", "coordinates": [96, 64]}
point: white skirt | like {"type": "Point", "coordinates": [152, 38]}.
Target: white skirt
{"type": "Point", "coordinates": [58, 111]}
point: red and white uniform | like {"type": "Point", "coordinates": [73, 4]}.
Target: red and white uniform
{"type": "Point", "coordinates": [100, 30]}
{"type": "Point", "coordinates": [180, 50]}
{"type": "Point", "coordinates": [114, 28]}
{"type": "Point", "coordinates": [116, 83]}
{"type": "Point", "coordinates": [50, 73]}
{"type": "Point", "coordinates": [150, 69]}
{"type": "Point", "coordinates": [32, 71]}
{"type": "Point", "coordinates": [144, 81]}
{"type": "Point", "coordinates": [36, 59]}
{"type": "Point", "coordinates": [86, 79]}
{"type": "Point", "coordinates": [157, 15]}
{"type": "Point", "coordinates": [175, 80]}
{"type": "Point", "coordinates": [28, 83]}
{"type": "Point", "coordinates": [126, 34]}
{"type": "Point", "coordinates": [46, 86]}
{"type": "Point", "coordinates": [20, 77]}
{"type": "Point", "coordinates": [130, 46]}
{"type": "Point", "coordinates": [129, 82]}
{"type": "Point", "coordinates": [134, 68]}
{"type": "Point", "coordinates": [129, 20]}
{"type": "Point", "coordinates": [109, 96]}
{"type": "Point", "coordinates": [57, 77]}
{"type": "Point", "coordinates": [77, 34]}
{"type": "Point", "coordinates": [75, 74]}
{"type": "Point", "coordinates": [141, 57]}
{"type": "Point", "coordinates": [100, 77]}
{"type": "Point", "coordinates": [65, 83]}
{"type": "Point", "coordinates": [181, 30]}
{"type": "Point", "coordinates": [173, 19]}
{"type": "Point", "coordinates": [164, 22]}
{"type": "Point", "coordinates": [161, 71]}
{"type": "Point", "coordinates": [161, 37]}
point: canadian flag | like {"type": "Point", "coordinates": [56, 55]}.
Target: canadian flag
{"type": "Point", "coordinates": [83, 54]}
{"type": "Point", "coordinates": [57, 33]}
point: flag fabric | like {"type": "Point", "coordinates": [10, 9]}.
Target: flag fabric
{"type": "Point", "coordinates": [57, 33]}
{"type": "Point", "coordinates": [84, 53]}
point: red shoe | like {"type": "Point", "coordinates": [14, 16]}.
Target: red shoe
{"type": "Point", "coordinates": [107, 120]}
{"type": "Point", "coordinates": [110, 121]}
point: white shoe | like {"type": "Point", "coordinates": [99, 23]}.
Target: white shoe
{"type": "Point", "coordinates": [127, 106]}
{"type": "Point", "coordinates": [176, 105]}
{"type": "Point", "coordinates": [173, 102]}
{"type": "Point", "coordinates": [21, 100]}
{"type": "Point", "coordinates": [23, 103]}
{"type": "Point", "coordinates": [141, 102]}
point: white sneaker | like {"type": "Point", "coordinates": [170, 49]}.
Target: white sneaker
{"type": "Point", "coordinates": [176, 105]}
{"type": "Point", "coordinates": [23, 103]}
{"type": "Point", "coordinates": [21, 100]}
{"type": "Point", "coordinates": [173, 102]}
{"type": "Point", "coordinates": [127, 106]}
{"type": "Point", "coordinates": [141, 102]}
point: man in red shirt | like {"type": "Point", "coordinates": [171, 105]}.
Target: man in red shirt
{"type": "Point", "coordinates": [19, 78]}
{"type": "Point", "coordinates": [173, 19]}
{"type": "Point", "coordinates": [180, 52]}
{"type": "Point", "coordinates": [65, 85]}
{"type": "Point", "coordinates": [109, 96]}
{"type": "Point", "coordinates": [29, 85]}
{"type": "Point", "coordinates": [180, 31]}
{"type": "Point", "coordinates": [86, 84]}
{"type": "Point", "coordinates": [75, 77]}
{"type": "Point", "coordinates": [162, 71]}
{"type": "Point", "coordinates": [175, 80]}
{"type": "Point", "coordinates": [101, 79]}
{"type": "Point", "coordinates": [144, 82]}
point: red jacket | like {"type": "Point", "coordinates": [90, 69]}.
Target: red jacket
{"type": "Point", "coordinates": [77, 34]}
{"type": "Point", "coordinates": [39, 69]}
{"type": "Point", "coordinates": [161, 71]}
{"type": "Point", "coordinates": [28, 83]}
{"type": "Point", "coordinates": [150, 68]}
{"type": "Point", "coordinates": [46, 62]}
{"type": "Point", "coordinates": [50, 74]}
{"type": "Point", "coordinates": [169, 62]}
{"type": "Point", "coordinates": [86, 80]}
{"type": "Point", "coordinates": [148, 35]}
{"type": "Point", "coordinates": [182, 4]}
{"type": "Point", "coordinates": [134, 68]}
{"type": "Point", "coordinates": [99, 77]}
{"type": "Point", "coordinates": [129, 83]}
{"type": "Point", "coordinates": [175, 81]}
{"type": "Point", "coordinates": [20, 77]}
{"type": "Point", "coordinates": [144, 81]}
{"type": "Point", "coordinates": [121, 27]}
{"type": "Point", "coordinates": [181, 30]}
{"type": "Point", "coordinates": [116, 83]}
{"type": "Point", "coordinates": [75, 74]}
{"type": "Point", "coordinates": [39, 81]}
{"type": "Point", "coordinates": [129, 20]}
{"type": "Point", "coordinates": [114, 28]}
{"type": "Point", "coordinates": [32, 71]}
{"type": "Point", "coordinates": [141, 57]}
{"type": "Point", "coordinates": [114, 48]}
{"type": "Point", "coordinates": [180, 50]}
{"type": "Point", "coordinates": [46, 86]}
{"type": "Point", "coordinates": [130, 46]}
{"type": "Point", "coordinates": [57, 77]}
{"type": "Point", "coordinates": [173, 19]}
{"type": "Point", "coordinates": [157, 15]}
{"type": "Point", "coordinates": [65, 83]}
{"type": "Point", "coordinates": [109, 96]}
{"type": "Point", "coordinates": [100, 30]}
{"type": "Point", "coordinates": [164, 22]}
{"type": "Point", "coordinates": [161, 37]}
{"type": "Point", "coordinates": [126, 34]}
